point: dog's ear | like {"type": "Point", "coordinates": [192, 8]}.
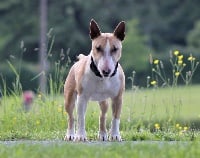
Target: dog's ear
{"type": "Point", "coordinates": [119, 31]}
{"type": "Point", "coordinates": [94, 29]}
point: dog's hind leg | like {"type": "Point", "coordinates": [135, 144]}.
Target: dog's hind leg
{"type": "Point", "coordinates": [69, 107]}
{"type": "Point", "coordinates": [70, 97]}
{"type": "Point", "coordinates": [102, 121]}
{"type": "Point", "coordinates": [116, 111]}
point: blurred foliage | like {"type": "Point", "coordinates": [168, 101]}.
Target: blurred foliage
{"type": "Point", "coordinates": [19, 21]}
{"type": "Point", "coordinates": [135, 52]}
{"type": "Point", "coordinates": [193, 38]}
{"type": "Point", "coordinates": [167, 23]}
{"type": "Point", "coordinates": [26, 74]}
{"type": "Point", "coordinates": [153, 26]}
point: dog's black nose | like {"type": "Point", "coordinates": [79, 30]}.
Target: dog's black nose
{"type": "Point", "coordinates": [106, 72]}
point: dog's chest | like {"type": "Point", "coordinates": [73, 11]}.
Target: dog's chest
{"type": "Point", "coordinates": [99, 90]}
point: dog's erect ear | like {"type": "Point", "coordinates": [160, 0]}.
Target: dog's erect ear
{"type": "Point", "coordinates": [94, 29]}
{"type": "Point", "coordinates": [119, 31]}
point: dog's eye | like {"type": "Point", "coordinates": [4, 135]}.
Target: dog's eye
{"type": "Point", "coordinates": [99, 49]}
{"type": "Point", "coordinates": [114, 49]}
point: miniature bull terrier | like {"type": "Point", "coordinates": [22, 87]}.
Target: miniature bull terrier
{"type": "Point", "coordinates": [97, 76]}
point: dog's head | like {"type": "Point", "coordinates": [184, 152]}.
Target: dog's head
{"type": "Point", "coordinates": [106, 47]}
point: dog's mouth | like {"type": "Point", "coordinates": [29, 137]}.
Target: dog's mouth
{"type": "Point", "coordinates": [104, 73]}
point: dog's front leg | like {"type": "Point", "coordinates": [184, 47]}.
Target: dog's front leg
{"type": "Point", "coordinates": [102, 121]}
{"type": "Point", "coordinates": [81, 109]}
{"type": "Point", "coordinates": [116, 111]}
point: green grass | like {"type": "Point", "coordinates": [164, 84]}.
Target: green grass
{"type": "Point", "coordinates": [90, 150]}
{"type": "Point", "coordinates": [142, 109]}
{"type": "Point", "coordinates": [182, 102]}
{"type": "Point", "coordinates": [155, 122]}
{"type": "Point", "coordinates": [162, 122]}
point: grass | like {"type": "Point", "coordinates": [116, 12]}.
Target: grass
{"type": "Point", "coordinates": [147, 114]}
{"type": "Point", "coordinates": [91, 150]}
{"type": "Point", "coordinates": [181, 102]}
{"type": "Point", "coordinates": [155, 122]}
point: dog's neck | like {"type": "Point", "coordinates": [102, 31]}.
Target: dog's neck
{"type": "Point", "coordinates": [94, 69]}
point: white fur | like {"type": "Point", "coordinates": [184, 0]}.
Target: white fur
{"type": "Point", "coordinates": [106, 61]}
{"type": "Point", "coordinates": [81, 109]}
{"type": "Point", "coordinates": [99, 89]}
{"type": "Point", "coordinates": [115, 134]}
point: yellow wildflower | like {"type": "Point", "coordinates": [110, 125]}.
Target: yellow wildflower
{"type": "Point", "coordinates": [180, 62]}
{"type": "Point", "coordinates": [180, 128]}
{"type": "Point", "coordinates": [177, 125]}
{"type": "Point", "coordinates": [156, 61]}
{"type": "Point", "coordinates": [191, 58]}
{"type": "Point", "coordinates": [153, 82]}
{"type": "Point", "coordinates": [184, 64]}
{"type": "Point", "coordinates": [180, 57]}
{"type": "Point", "coordinates": [64, 112]}
{"type": "Point", "coordinates": [157, 126]}
{"type": "Point", "coordinates": [177, 74]}
{"type": "Point", "coordinates": [176, 52]}
{"type": "Point", "coordinates": [39, 96]}
{"type": "Point", "coordinates": [38, 122]}
{"type": "Point", "coordinates": [185, 128]}
{"type": "Point", "coordinates": [59, 109]}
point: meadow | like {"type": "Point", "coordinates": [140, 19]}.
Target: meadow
{"type": "Point", "coordinates": [156, 121]}
{"type": "Point", "coordinates": [162, 122]}
{"type": "Point", "coordinates": [147, 114]}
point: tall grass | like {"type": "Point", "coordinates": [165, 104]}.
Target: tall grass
{"type": "Point", "coordinates": [150, 113]}
{"type": "Point", "coordinates": [47, 118]}
{"type": "Point", "coordinates": [179, 70]}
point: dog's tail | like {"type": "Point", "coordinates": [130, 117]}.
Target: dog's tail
{"type": "Point", "coordinates": [80, 56]}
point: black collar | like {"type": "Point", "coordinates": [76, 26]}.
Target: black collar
{"type": "Point", "coordinates": [94, 69]}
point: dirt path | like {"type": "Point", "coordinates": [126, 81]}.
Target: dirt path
{"type": "Point", "coordinates": [61, 142]}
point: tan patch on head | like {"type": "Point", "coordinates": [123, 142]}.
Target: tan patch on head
{"type": "Point", "coordinates": [99, 44]}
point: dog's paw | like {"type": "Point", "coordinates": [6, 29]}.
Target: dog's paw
{"type": "Point", "coordinates": [103, 136]}
{"type": "Point", "coordinates": [114, 131]}
{"type": "Point", "coordinates": [115, 137]}
{"type": "Point", "coordinates": [80, 138]}
{"type": "Point", "coordinates": [69, 137]}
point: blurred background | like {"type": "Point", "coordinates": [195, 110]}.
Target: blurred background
{"type": "Point", "coordinates": [38, 38]}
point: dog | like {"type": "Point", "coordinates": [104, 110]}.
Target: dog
{"type": "Point", "coordinates": [97, 76]}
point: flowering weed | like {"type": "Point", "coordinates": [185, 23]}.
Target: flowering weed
{"type": "Point", "coordinates": [179, 69]}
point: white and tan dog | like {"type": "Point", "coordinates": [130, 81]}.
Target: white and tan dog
{"type": "Point", "coordinates": [97, 77]}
